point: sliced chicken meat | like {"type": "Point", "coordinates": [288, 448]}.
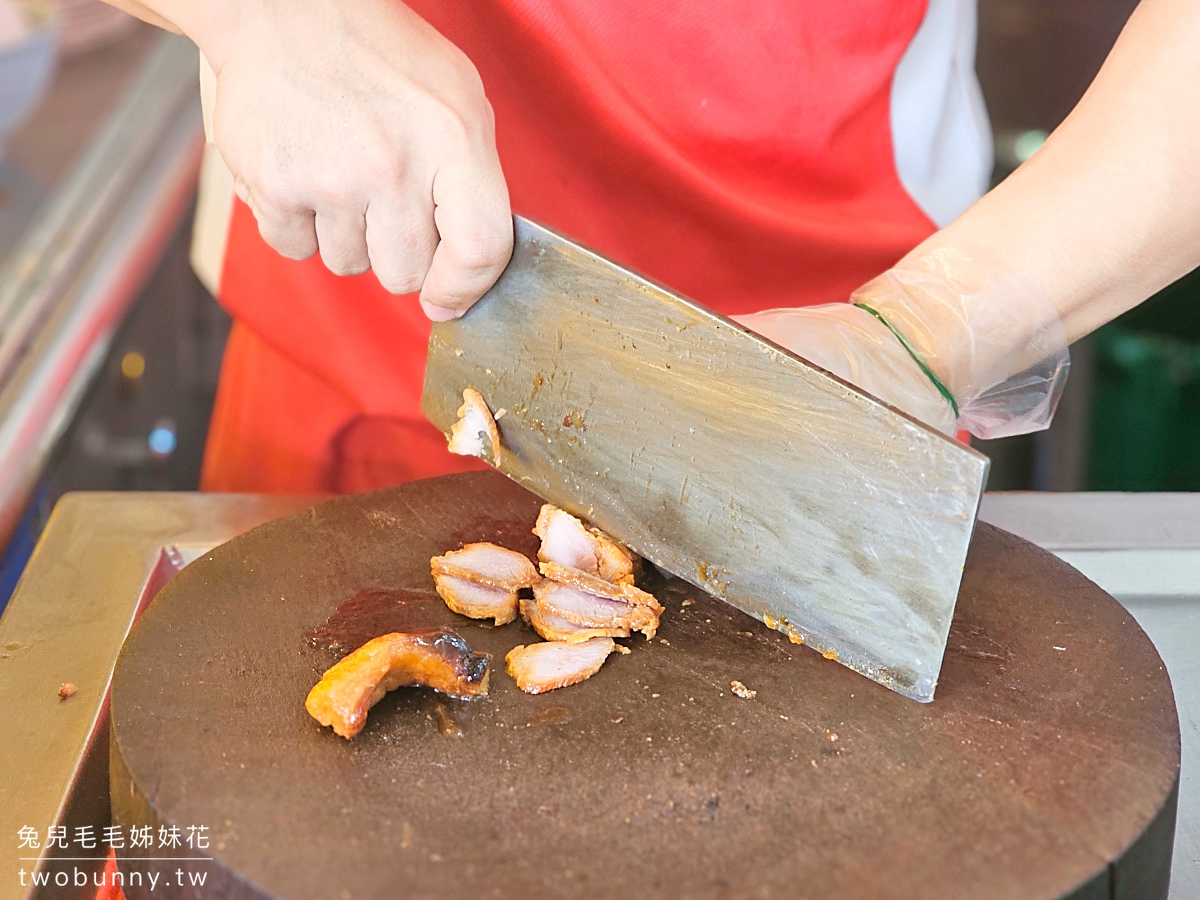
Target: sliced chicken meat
{"type": "Point", "coordinates": [439, 659]}
{"type": "Point", "coordinates": [590, 611]}
{"type": "Point", "coordinates": [598, 586]}
{"type": "Point", "coordinates": [478, 601]}
{"type": "Point", "coordinates": [565, 540]}
{"type": "Point", "coordinates": [475, 432]}
{"type": "Point", "coordinates": [568, 542]}
{"type": "Point", "coordinates": [553, 627]}
{"type": "Point", "coordinates": [543, 667]}
{"type": "Point", "coordinates": [488, 564]}
{"type": "Point", "coordinates": [616, 562]}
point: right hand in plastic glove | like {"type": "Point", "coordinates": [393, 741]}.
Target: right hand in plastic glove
{"type": "Point", "coordinates": [355, 130]}
{"type": "Point", "coordinates": [927, 343]}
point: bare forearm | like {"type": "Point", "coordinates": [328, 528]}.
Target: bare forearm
{"type": "Point", "coordinates": [1108, 211]}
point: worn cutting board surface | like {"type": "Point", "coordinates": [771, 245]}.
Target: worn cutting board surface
{"type": "Point", "coordinates": [1046, 767]}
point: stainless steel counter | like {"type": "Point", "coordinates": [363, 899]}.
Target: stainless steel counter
{"type": "Point", "coordinates": [68, 283]}
{"type": "Point", "coordinates": [100, 560]}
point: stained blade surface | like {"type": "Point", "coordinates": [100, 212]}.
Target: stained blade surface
{"type": "Point", "coordinates": [719, 456]}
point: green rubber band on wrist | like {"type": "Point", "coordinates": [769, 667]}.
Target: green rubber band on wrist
{"type": "Point", "coordinates": [924, 367]}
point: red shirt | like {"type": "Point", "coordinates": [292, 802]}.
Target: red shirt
{"type": "Point", "coordinates": [740, 152]}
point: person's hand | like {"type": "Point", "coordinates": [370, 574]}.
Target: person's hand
{"type": "Point", "coordinates": [923, 338]}
{"type": "Point", "coordinates": [355, 130]}
{"type": "Point", "coordinates": [858, 348]}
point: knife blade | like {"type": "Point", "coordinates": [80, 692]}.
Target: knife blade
{"type": "Point", "coordinates": [720, 457]}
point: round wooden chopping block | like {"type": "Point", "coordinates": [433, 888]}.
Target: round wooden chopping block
{"type": "Point", "coordinates": [1047, 766]}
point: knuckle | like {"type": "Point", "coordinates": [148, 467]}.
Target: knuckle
{"type": "Point", "coordinates": [400, 243]}
{"type": "Point", "coordinates": [342, 269]}
{"type": "Point", "coordinates": [343, 262]}
{"type": "Point", "coordinates": [401, 270]}
{"type": "Point", "coordinates": [463, 92]}
{"type": "Point", "coordinates": [400, 282]}
{"type": "Point", "coordinates": [453, 291]}
{"type": "Point", "coordinates": [270, 189]}
{"type": "Point", "coordinates": [489, 114]}
{"type": "Point", "coordinates": [335, 182]}
{"type": "Point", "coordinates": [297, 250]}
{"type": "Point", "coordinates": [331, 188]}
{"type": "Point", "coordinates": [289, 240]}
{"type": "Point", "coordinates": [481, 255]}
{"type": "Point", "coordinates": [451, 127]}
{"type": "Point", "coordinates": [460, 122]}
{"type": "Point", "coordinates": [475, 259]}
{"type": "Point", "coordinates": [383, 164]}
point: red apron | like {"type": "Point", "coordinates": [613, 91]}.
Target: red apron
{"type": "Point", "coordinates": [737, 151]}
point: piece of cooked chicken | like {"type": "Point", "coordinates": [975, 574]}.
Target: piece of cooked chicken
{"type": "Point", "coordinates": [475, 433]}
{"type": "Point", "coordinates": [553, 627]}
{"type": "Point", "coordinates": [568, 542]}
{"type": "Point", "coordinates": [543, 667]}
{"type": "Point", "coordinates": [477, 601]}
{"type": "Point", "coordinates": [439, 659]}
{"type": "Point", "coordinates": [488, 564]}
{"type": "Point", "coordinates": [586, 609]}
{"type": "Point", "coordinates": [616, 561]}
{"type": "Point", "coordinates": [598, 586]}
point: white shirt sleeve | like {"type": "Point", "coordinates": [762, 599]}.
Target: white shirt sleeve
{"type": "Point", "coordinates": [941, 136]}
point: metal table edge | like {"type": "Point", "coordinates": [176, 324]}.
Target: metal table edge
{"type": "Point", "coordinates": [66, 622]}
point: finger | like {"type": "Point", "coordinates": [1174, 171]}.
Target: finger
{"type": "Point", "coordinates": [342, 239]}
{"type": "Point", "coordinates": [289, 232]}
{"type": "Point", "coordinates": [401, 239]}
{"type": "Point", "coordinates": [475, 233]}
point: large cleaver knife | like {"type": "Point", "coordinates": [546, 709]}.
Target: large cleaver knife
{"type": "Point", "coordinates": [719, 456]}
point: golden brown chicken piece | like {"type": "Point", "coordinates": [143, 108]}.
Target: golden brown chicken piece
{"type": "Point", "coordinates": [475, 433]}
{"type": "Point", "coordinates": [543, 667]}
{"type": "Point", "coordinates": [439, 659]}
{"type": "Point", "coordinates": [553, 627]}
{"type": "Point", "coordinates": [568, 542]}
{"type": "Point", "coordinates": [598, 586]}
{"type": "Point", "coordinates": [477, 601]}
{"type": "Point", "coordinates": [615, 560]}
{"type": "Point", "coordinates": [589, 611]}
{"type": "Point", "coordinates": [488, 564]}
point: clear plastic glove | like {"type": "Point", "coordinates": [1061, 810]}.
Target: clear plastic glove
{"type": "Point", "coordinates": [993, 366]}
{"type": "Point", "coordinates": [857, 347]}
{"type": "Point", "coordinates": [355, 130]}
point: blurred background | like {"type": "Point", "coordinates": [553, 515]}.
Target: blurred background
{"type": "Point", "coordinates": [1130, 418]}
{"type": "Point", "coordinates": [110, 347]}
